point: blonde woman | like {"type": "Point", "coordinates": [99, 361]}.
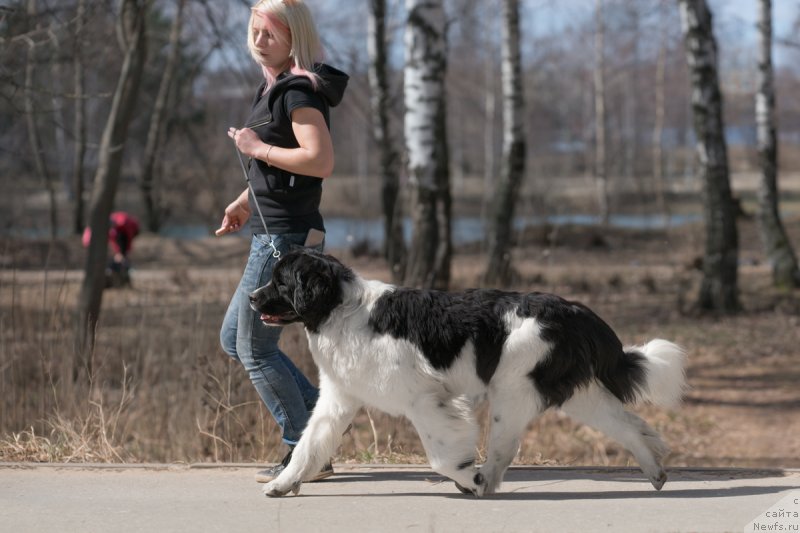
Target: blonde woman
{"type": "Point", "coordinates": [287, 138]}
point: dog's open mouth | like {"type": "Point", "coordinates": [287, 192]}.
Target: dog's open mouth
{"type": "Point", "coordinates": [277, 320]}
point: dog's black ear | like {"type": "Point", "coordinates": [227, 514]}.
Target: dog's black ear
{"type": "Point", "coordinates": [317, 292]}
{"type": "Point", "coordinates": [303, 292]}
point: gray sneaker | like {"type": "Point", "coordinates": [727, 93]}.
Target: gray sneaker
{"type": "Point", "coordinates": [267, 475]}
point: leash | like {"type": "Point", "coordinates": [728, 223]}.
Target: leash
{"type": "Point", "coordinates": [275, 252]}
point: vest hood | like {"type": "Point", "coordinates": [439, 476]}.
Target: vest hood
{"type": "Point", "coordinates": [332, 84]}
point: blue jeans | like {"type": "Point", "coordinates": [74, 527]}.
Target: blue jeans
{"type": "Point", "coordinates": [286, 392]}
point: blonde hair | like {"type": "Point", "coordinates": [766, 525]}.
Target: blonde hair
{"type": "Point", "coordinates": [291, 22]}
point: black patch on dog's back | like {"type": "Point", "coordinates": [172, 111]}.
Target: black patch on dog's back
{"type": "Point", "coordinates": [583, 347]}
{"type": "Point", "coordinates": [441, 323]}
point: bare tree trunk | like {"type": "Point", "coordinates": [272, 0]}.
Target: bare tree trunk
{"type": "Point", "coordinates": [718, 290]}
{"type": "Point", "coordinates": [394, 249]}
{"type": "Point", "coordinates": [490, 78]}
{"type": "Point", "coordinates": [488, 134]}
{"type": "Point", "coordinates": [147, 183]}
{"type": "Point", "coordinates": [498, 270]}
{"type": "Point", "coordinates": [776, 242]}
{"type": "Point", "coordinates": [425, 133]}
{"type": "Point", "coordinates": [658, 122]}
{"type": "Point", "coordinates": [631, 112]}
{"type": "Point", "coordinates": [131, 30]}
{"type": "Point", "coordinates": [57, 98]}
{"type": "Point", "coordinates": [600, 162]}
{"type": "Point", "coordinates": [80, 120]}
{"type": "Point", "coordinates": [37, 149]}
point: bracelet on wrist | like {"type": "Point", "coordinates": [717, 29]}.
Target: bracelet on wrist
{"type": "Point", "coordinates": [271, 146]}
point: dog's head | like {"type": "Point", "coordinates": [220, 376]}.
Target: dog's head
{"type": "Point", "coordinates": [306, 286]}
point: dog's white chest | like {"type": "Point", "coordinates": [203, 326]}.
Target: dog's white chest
{"type": "Point", "coordinates": [380, 371]}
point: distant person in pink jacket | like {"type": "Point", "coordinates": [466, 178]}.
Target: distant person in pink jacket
{"type": "Point", "coordinates": [123, 228]}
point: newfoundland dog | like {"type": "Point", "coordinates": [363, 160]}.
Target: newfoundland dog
{"type": "Point", "coordinates": [433, 356]}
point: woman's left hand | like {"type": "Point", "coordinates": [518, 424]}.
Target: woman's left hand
{"type": "Point", "coordinates": [246, 140]}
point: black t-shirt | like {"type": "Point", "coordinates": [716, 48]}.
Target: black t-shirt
{"type": "Point", "coordinates": [289, 201]}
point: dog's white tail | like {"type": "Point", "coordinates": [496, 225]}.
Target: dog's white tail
{"type": "Point", "coordinates": [665, 378]}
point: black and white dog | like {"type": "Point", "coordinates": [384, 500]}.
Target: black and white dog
{"type": "Point", "coordinates": [433, 356]}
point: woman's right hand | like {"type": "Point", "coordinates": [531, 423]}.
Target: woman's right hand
{"type": "Point", "coordinates": [236, 214]}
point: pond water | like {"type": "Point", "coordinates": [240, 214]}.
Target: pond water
{"type": "Point", "coordinates": [343, 232]}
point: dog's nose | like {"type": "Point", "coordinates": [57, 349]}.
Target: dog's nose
{"type": "Point", "coordinates": [254, 300]}
{"type": "Point", "coordinates": [258, 295]}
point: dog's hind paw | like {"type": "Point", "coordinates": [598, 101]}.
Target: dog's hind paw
{"type": "Point", "coordinates": [462, 489]}
{"type": "Point", "coordinates": [659, 480]}
{"type": "Point", "coordinates": [275, 490]}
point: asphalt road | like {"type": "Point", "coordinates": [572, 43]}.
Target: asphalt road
{"type": "Point", "coordinates": [198, 498]}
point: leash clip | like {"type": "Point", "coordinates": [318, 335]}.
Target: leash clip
{"type": "Point", "coordinates": [275, 252]}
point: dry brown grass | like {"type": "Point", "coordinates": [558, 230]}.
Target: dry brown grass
{"type": "Point", "coordinates": [161, 389]}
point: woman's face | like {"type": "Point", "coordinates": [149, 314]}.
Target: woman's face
{"type": "Point", "coordinates": [273, 52]}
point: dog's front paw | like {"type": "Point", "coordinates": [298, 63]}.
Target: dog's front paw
{"type": "Point", "coordinates": [478, 487]}
{"type": "Point", "coordinates": [277, 488]}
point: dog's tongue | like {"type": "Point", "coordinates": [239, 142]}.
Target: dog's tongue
{"type": "Point", "coordinates": [269, 318]}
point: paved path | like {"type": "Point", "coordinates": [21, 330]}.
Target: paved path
{"type": "Point", "coordinates": [116, 499]}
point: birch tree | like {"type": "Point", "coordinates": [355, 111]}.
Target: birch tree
{"type": "Point", "coordinates": [658, 121]}
{"type": "Point", "coordinates": [600, 161]}
{"type": "Point", "coordinates": [777, 246]}
{"type": "Point", "coordinates": [131, 33]}
{"type": "Point", "coordinates": [426, 145]}
{"type": "Point", "coordinates": [394, 247]}
{"type": "Point", "coordinates": [512, 171]}
{"type": "Point", "coordinates": [718, 289]}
